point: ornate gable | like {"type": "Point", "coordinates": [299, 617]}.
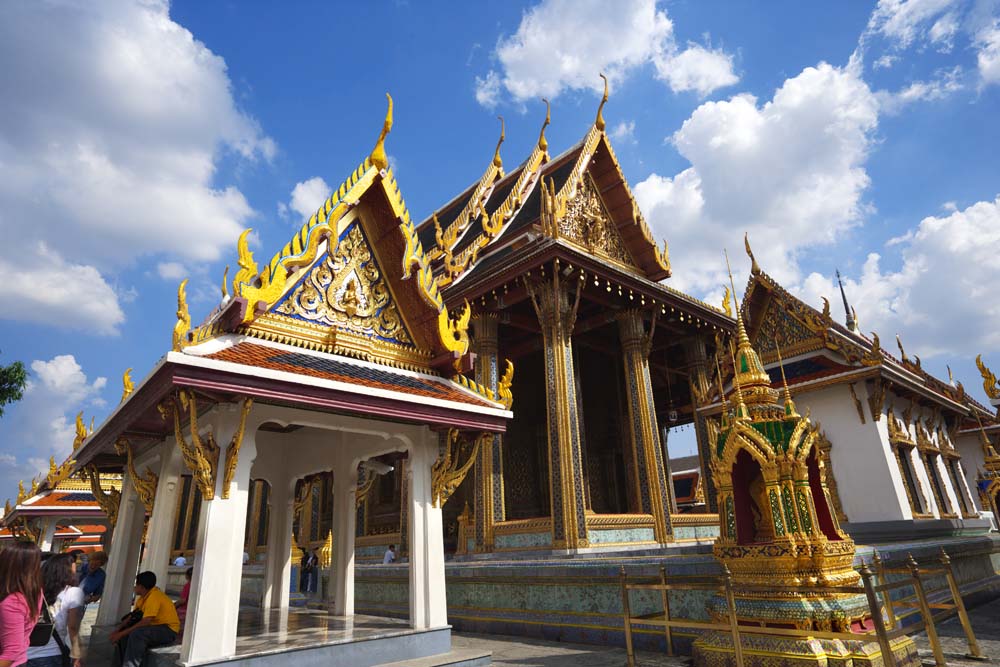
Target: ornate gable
{"type": "Point", "coordinates": [776, 323]}
{"type": "Point", "coordinates": [346, 289]}
{"type": "Point", "coordinates": [587, 223]}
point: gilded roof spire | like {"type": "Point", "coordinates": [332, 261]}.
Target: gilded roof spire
{"type": "Point", "coordinates": [754, 266]}
{"type": "Point", "coordinates": [599, 121]}
{"type": "Point", "coordinates": [378, 156]}
{"type": "Point", "coordinates": [851, 321]}
{"type": "Point", "coordinates": [790, 411]}
{"type": "Point", "coordinates": [988, 451]}
{"type": "Point", "coordinates": [497, 161]}
{"type": "Point", "coordinates": [749, 370]}
{"type": "Point", "coordinates": [543, 144]}
{"type": "Point", "coordinates": [722, 392]}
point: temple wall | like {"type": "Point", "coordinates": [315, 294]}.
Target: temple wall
{"type": "Point", "coordinates": [579, 600]}
{"type": "Point", "coordinates": [868, 479]}
{"type": "Point", "coordinates": [970, 447]}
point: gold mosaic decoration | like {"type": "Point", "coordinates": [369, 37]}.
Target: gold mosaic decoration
{"type": "Point", "coordinates": [347, 290]}
{"type": "Point", "coordinates": [588, 224]}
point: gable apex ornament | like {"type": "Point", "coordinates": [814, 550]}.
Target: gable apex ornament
{"type": "Point", "coordinates": [543, 144]}
{"type": "Point", "coordinates": [378, 156]}
{"type": "Point", "coordinates": [990, 383]}
{"type": "Point", "coordinates": [599, 121]}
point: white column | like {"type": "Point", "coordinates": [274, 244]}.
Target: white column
{"type": "Point", "coordinates": [428, 603]}
{"type": "Point", "coordinates": [162, 521]}
{"type": "Point", "coordinates": [278, 571]}
{"type": "Point", "coordinates": [48, 533]}
{"type": "Point", "coordinates": [123, 558]}
{"type": "Point", "coordinates": [213, 607]}
{"type": "Point", "coordinates": [345, 484]}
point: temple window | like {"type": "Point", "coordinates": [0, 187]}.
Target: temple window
{"type": "Point", "coordinates": [910, 483]}
{"type": "Point", "coordinates": [940, 495]}
{"type": "Point", "coordinates": [956, 482]}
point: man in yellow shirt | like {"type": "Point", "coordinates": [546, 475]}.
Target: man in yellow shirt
{"type": "Point", "coordinates": [158, 627]}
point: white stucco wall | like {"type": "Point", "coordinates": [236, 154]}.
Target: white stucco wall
{"type": "Point", "coordinates": [971, 449]}
{"type": "Point", "coordinates": [868, 479]}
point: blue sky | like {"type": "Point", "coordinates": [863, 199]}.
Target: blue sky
{"type": "Point", "coordinates": [854, 135]}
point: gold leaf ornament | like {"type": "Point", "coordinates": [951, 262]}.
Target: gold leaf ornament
{"type": "Point", "coordinates": [990, 384]}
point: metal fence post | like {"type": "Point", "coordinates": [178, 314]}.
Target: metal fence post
{"type": "Point", "coordinates": [890, 609]}
{"type": "Point", "coordinates": [956, 595]}
{"type": "Point", "coordinates": [666, 610]}
{"type": "Point", "coordinates": [925, 610]}
{"type": "Point", "coordinates": [629, 652]}
{"type": "Point", "coordinates": [888, 658]}
{"type": "Point", "coordinates": [734, 624]}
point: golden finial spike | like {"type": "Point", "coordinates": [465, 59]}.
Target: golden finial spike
{"type": "Point", "coordinates": [378, 156]}
{"type": "Point", "coordinates": [740, 328]}
{"type": "Point", "coordinates": [790, 411]}
{"type": "Point", "coordinates": [183, 318]}
{"type": "Point", "coordinates": [497, 161]}
{"type": "Point", "coordinates": [722, 391]}
{"type": "Point", "coordinates": [543, 144]}
{"type": "Point", "coordinates": [127, 384]}
{"type": "Point", "coordinates": [599, 121]}
{"type": "Point", "coordinates": [754, 266]}
{"type": "Point", "coordinates": [225, 279]}
{"type": "Point", "coordinates": [741, 408]}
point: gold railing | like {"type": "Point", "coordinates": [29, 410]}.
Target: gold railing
{"type": "Point", "coordinates": [872, 586]}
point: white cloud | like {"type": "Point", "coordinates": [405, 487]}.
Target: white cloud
{"type": "Point", "coordinates": [307, 196]}
{"type": "Point", "coordinates": [943, 32]}
{"type": "Point", "coordinates": [109, 140]}
{"type": "Point", "coordinates": [903, 21]}
{"type": "Point", "coordinates": [988, 55]}
{"type": "Point", "coordinates": [698, 69]}
{"type": "Point", "coordinates": [624, 131]}
{"type": "Point", "coordinates": [43, 287]}
{"type": "Point", "coordinates": [488, 90]}
{"type": "Point", "coordinates": [171, 270]}
{"type": "Point", "coordinates": [945, 83]}
{"type": "Point", "coordinates": [790, 172]}
{"type": "Point", "coordinates": [941, 299]}
{"type": "Point", "coordinates": [42, 424]}
{"type": "Point", "coordinates": [563, 45]}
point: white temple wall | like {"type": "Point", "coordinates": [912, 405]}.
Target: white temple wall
{"type": "Point", "coordinates": [868, 479]}
{"type": "Point", "coordinates": [970, 447]}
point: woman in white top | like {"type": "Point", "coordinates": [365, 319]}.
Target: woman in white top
{"type": "Point", "coordinates": [66, 605]}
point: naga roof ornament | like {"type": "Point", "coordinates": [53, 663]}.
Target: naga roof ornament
{"type": "Point", "coordinates": [599, 121]}
{"type": "Point", "coordinates": [990, 383]}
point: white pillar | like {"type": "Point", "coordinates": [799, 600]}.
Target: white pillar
{"type": "Point", "coordinates": [214, 602]}
{"type": "Point", "coordinates": [428, 603]}
{"type": "Point", "coordinates": [278, 570]}
{"type": "Point", "coordinates": [162, 521]}
{"type": "Point", "coordinates": [345, 484]}
{"type": "Point", "coordinates": [123, 558]}
{"type": "Point", "coordinates": [47, 536]}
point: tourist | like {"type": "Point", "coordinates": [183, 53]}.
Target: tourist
{"type": "Point", "coordinates": [20, 581]}
{"type": "Point", "coordinates": [180, 561]}
{"type": "Point", "coordinates": [390, 555]}
{"type": "Point", "coordinates": [93, 582]}
{"type": "Point", "coordinates": [66, 606]}
{"type": "Point", "coordinates": [246, 558]}
{"type": "Point", "coordinates": [182, 602]}
{"type": "Point", "coordinates": [157, 627]}
{"type": "Point", "coordinates": [310, 565]}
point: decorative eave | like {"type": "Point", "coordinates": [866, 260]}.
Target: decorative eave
{"type": "Point", "coordinates": [856, 349]}
{"type": "Point", "coordinates": [255, 293]}
{"type": "Point", "coordinates": [475, 206]}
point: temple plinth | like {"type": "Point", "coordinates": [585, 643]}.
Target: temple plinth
{"type": "Point", "coordinates": [779, 537]}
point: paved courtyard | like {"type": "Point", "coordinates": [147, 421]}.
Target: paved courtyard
{"type": "Point", "coordinates": [521, 652]}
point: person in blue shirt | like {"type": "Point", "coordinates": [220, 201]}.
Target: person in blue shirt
{"type": "Point", "coordinates": [93, 583]}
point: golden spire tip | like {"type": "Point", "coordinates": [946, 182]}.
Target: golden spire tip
{"type": "Point", "coordinates": [543, 144]}
{"type": "Point", "coordinates": [599, 121]}
{"type": "Point", "coordinates": [378, 156]}
{"type": "Point", "coordinates": [497, 161]}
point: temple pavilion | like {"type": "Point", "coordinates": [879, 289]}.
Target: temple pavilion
{"type": "Point", "coordinates": [336, 352]}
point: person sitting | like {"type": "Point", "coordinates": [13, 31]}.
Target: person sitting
{"type": "Point", "coordinates": [158, 626]}
{"type": "Point", "coordinates": [180, 561]}
{"type": "Point", "coordinates": [182, 602]}
{"type": "Point", "coordinates": [93, 582]}
{"type": "Point", "coordinates": [390, 555]}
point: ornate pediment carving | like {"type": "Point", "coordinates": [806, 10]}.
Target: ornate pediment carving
{"type": "Point", "coordinates": [588, 223]}
{"type": "Point", "coordinates": [347, 289]}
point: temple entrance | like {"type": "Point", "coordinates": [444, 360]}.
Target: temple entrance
{"type": "Point", "coordinates": [823, 514]}
{"type": "Point", "coordinates": [751, 512]}
{"type": "Point", "coordinates": [526, 466]}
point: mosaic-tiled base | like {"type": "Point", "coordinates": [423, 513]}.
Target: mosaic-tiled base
{"type": "Point", "coordinates": [715, 649]}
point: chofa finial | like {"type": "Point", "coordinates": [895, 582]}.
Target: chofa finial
{"type": "Point", "coordinates": [599, 121]}
{"type": "Point", "coordinates": [754, 266]}
{"type": "Point", "coordinates": [497, 161]}
{"type": "Point", "coordinates": [378, 156]}
{"type": "Point", "coordinates": [543, 144]}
